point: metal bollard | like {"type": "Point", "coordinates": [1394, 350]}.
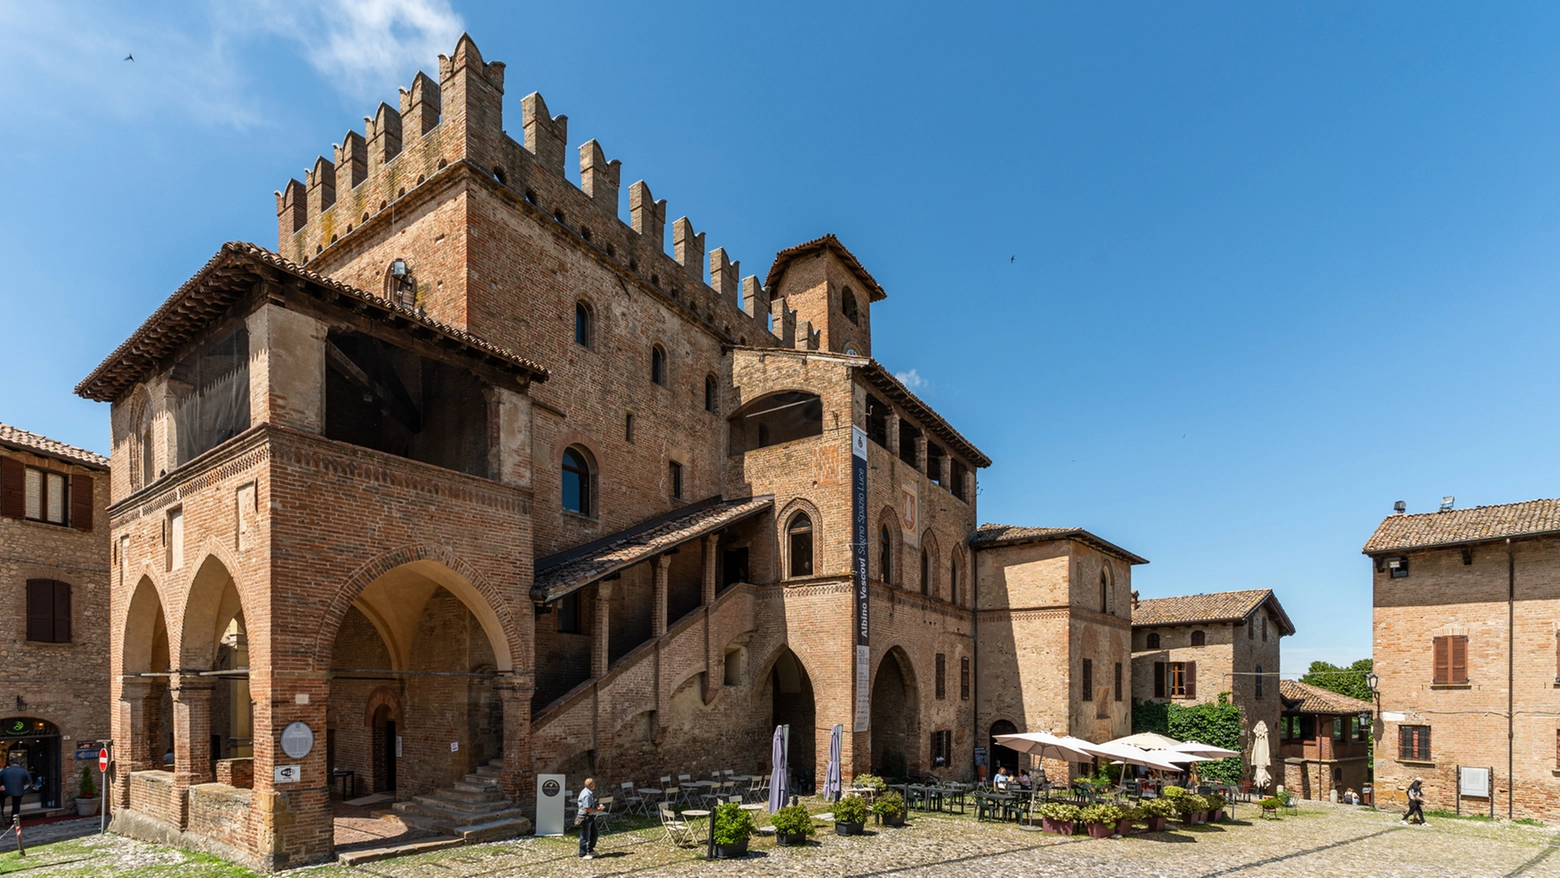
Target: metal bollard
{"type": "Point", "coordinates": [16, 823]}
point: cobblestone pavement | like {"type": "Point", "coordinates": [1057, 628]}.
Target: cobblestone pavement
{"type": "Point", "coordinates": [1320, 840]}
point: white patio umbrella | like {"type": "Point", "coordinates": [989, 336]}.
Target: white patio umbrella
{"type": "Point", "coordinates": [1146, 741]}
{"type": "Point", "coordinates": [1048, 746]}
{"type": "Point", "coordinates": [1208, 750]}
{"type": "Point", "coordinates": [1131, 755]}
{"type": "Point", "coordinates": [1260, 757]}
{"type": "Point", "coordinates": [1180, 757]}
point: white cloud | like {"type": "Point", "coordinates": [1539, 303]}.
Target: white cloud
{"type": "Point", "coordinates": [913, 380]}
{"type": "Point", "coordinates": [362, 46]}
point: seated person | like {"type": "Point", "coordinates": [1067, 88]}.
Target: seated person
{"type": "Point", "coordinates": [1000, 782]}
{"type": "Point", "coordinates": [1024, 783]}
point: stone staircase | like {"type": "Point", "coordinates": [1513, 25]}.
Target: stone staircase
{"type": "Point", "coordinates": [474, 810]}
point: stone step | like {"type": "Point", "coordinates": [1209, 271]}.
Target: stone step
{"type": "Point", "coordinates": [353, 858]}
{"type": "Point", "coordinates": [495, 830]}
{"type": "Point", "coordinates": [474, 790]}
{"type": "Point", "coordinates": [490, 770]}
{"type": "Point", "coordinates": [478, 780]}
{"type": "Point", "coordinates": [435, 811]}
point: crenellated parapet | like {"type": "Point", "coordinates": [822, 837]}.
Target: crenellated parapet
{"type": "Point", "coordinates": [458, 121]}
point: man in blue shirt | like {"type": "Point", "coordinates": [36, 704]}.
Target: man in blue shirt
{"type": "Point", "coordinates": [588, 809]}
{"type": "Point", "coordinates": [14, 783]}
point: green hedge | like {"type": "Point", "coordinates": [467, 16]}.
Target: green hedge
{"type": "Point", "coordinates": [1218, 724]}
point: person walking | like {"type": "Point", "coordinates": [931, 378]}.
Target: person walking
{"type": "Point", "coordinates": [587, 810]}
{"type": "Point", "coordinates": [14, 783]}
{"type": "Point", "coordinates": [1416, 803]}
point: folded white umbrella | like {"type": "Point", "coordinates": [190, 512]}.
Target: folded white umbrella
{"type": "Point", "coordinates": [1208, 750]}
{"type": "Point", "coordinates": [1048, 746]}
{"type": "Point", "coordinates": [1132, 755]}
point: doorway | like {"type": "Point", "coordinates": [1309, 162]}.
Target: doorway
{"type": "Point", "coordinates": [36, 743]}
{"type": "Point", "coordinates": [384, 750]}
{"type": "Point", "coordinates": [791, 703]}
{"type": "Point", "coordinates": [1004, 756]}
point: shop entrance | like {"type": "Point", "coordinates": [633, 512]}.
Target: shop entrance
{"type": "Point", "coordinates": [36, 743]}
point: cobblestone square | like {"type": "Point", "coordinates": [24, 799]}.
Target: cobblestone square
{"type": "Point", "coordinates": [1320, 840]}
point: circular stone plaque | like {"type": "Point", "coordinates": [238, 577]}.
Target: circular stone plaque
{"type": "Point", "coordinates": [550, 788]}
{"type": "Point", "coordinates": [297, 740]}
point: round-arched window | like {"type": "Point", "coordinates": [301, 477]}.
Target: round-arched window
{"type": "Point", "coordinates": [848, 306]}
{"type": "Point", "coordinates": [1199, 638]}
{"type": "Point", "coordinates": [886, 554]}
{"type": "Point", "coordinates": [799, 543]}
{"type": "Point", "coordinates": [576, 480]}
{"type": "Point", "coordinates": [1153, 640]}
{"type": "Point", "coordinates": [584, 331]}
{"type": "Point", "coordinates": [658, 365]}
{"type": "Point", "coordinates": [709, 393]}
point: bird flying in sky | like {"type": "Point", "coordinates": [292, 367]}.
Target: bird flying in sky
{"type": "Point", "coordinates": [130, 58]}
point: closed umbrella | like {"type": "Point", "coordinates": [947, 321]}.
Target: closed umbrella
{"type": "Point", "coordinates": [780, 777]}
{"type": "Point", "coordinates": [1260, 758]}
{"type": "Point", "coordinates": [1208, 750]}
{"type": "Point", "coordinates": [831, 780]}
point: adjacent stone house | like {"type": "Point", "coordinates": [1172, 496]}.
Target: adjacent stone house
{"type": "Point", "coordinates": [1467, 649]}
{"type": "Point", "coordinates": [1324, 740]}
{"type": "Point", "coordinates": [1189, 649]}
{"type": "Point", "coordinates": [54, 575]}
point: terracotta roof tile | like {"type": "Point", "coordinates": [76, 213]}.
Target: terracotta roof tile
{"type": "Point", "coordinates": [557, 575]}
{"type": "Point", "coordinates": [1305, 698]}
{"type": "Point", "coordinates": [1007, 535]}
{"type": "Point", "coordinates": [1398, 533]}
{"type": "Point", "coordinates": [17, 438]}
{"type": "Point", "coordinates": [827, 242]}
{"type": "Point", "coordinates": [1221, 606]}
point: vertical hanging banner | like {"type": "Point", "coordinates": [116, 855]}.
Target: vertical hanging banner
{"type": "Point", "coordinates": [858, 561]}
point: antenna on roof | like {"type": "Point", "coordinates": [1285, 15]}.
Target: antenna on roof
{"type": "Point", "coordinates": [1400, 507]}
{"type": "Point", "coordinates": [1446, 503]}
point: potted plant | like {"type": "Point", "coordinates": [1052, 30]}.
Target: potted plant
{"type": "Point", "coordinates": [1270, 806]}
{"type": "Point", "coordinates": [1058, 817]}
{"type": "Point", "coordinates": [1129, 815]}
{"type": "Point", "coordinates": [1157, 812]}
{"type": "Point", "coordinates": [870, 780]}
{"type": "Point", "coordinates": [850, 815]}
{"type": "Point", "coordinates": [890, 809]}
{"type": "Point", "coordinates": [1193, 809]}
{"type": "Point", "coordinates": [87, 800]}
{"type": "Point", "coordinates": [733, 827]}
{"type": "Point", "coordinates": [1101, 819]}
{"type": "Point", "coordinates": [792, 825]}
{"type": "Point", "coordinates": [1216, 805]}
{"type": "Point", "coordinates": [1174, 792]}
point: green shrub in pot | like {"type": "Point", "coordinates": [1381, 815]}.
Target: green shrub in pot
{"type": "Point", "coordinates": [1101, 813]}
{"type": "Point", "coordinates": [890, 807]}
{"type": "Point", "coordinates": [792, 824]}
{"type": "Point", "coordinates": [851, 809]}
{"type": "Point", "coordinates": [732, 824]}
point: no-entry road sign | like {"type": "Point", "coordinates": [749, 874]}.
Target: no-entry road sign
{"type": "Point", "coordinates": [103, 759]}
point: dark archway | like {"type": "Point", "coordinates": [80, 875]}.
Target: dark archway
{"type": "Point", "coordinates": [895, 717]}
{"type": "Point", "coordinates": [791, 703]}
{"type": "Point", "coordinates": [35, 743]}
{"type": "Point", "coordinates": [1000, 755]}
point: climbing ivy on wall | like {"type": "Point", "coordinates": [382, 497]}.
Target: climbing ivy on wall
{"type": "Point", "coordinates": [1218, 724]}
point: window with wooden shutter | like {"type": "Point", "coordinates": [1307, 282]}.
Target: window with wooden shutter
{"type": "Point", "coordinates": [81, 502]}
{"type": "Point", "coordinates": [48, 611]}
{"type": "Point", "coordinates": [964, 678]}
{"type": "Point", "coordinates": [1557, 749]}
{"type": "Point", "coordinates": [13, 497]}
{"type": "Point", "coordinates": [1450, 656]}
{"type": "Point", "coordinates": [1441, 661]}
{"type": "Point", "coordinates": [1459, 651]}
{"type": "Point", "coordinates": [1159, 679]}
{"type": "Point", "coordinates": [942, 676]}
{"type": "Point", "coordinates": [1557, 656]}
{"type": "Point", "coordinates": [1118, 681]}
{"type": "Point", "coordinates": [1191, 680]}
{"type": "Point", "coordinates": [1088, 680]}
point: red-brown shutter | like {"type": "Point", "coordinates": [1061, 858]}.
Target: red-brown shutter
{"type": "Point", "coordinates": [13, 493]}
{"type": "Point", "coordinates": [1443, 662]}
{"type": "Point", "coordinates": [1557, 656]}
{"type": "Point", "coordinates": [1159, 679]}
{"type": "Point", "coordinates": [1191, 680]}
{"type": "Point", "coordinates": [40, 610]}
{"type": "Point", "coordinates": [61, 612]}
{"type": "Point", "coordinates": [1459, 660]}
{"type": "Point", "coordinates": [81, 502]}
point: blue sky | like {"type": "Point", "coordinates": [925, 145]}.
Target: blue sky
{"type": "Point", "coordinates": [1216, 281]}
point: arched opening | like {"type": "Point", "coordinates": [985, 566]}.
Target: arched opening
{"type": "Point", "coordinates": [791, 703]}
{"type": "Point", "coordinates": [146, 664]}
{"type": "Point", "coordinates": [35, 743]}
{"type": "Point", "coordinates": [776, 419]}
{"type": "Point", "coordinates": [1002, 757]}
{"type": "Point", "coordinates": [799, 546]}
{"type": "Point", "coordinates": [848, 306]}
{"type": "Point", "coordinates": [414, 668]}
{"type": "Point", "coordinates": [658, 365]}
{"type": "Point", "coordinates": [1153, 640]}
{"type": "Point", "coordinates": [895, 717]}
{"type": "Point", "coordinates": [214, 638]}
{"type": "Point", "coordinates": [926, 572]}
{"type": "Point", "coordinates": [1104, 591]}
{"type": "Point", "coordinates": [1199, 638]}
{"type": "Point", "coordinates": [1259, 681]}
{"type": "Point", "coordinates": [578, 481]}
{"type": "Point", "coordinates": [710, 394]}
{"type": "Point", "coordinates": [886, 555]}
{"type": "Point", "coordinates": [954, 585]}
{"type": "Point", "coordinates": [584, 328]}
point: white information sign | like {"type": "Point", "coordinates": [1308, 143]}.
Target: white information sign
{"type": "Point", "coordinates": [549, 804]}
{"type": "Point", "coordinates": [288, 773]}
{"type": "Point", "coordinates": [1474, 782]}
{"type": "Point", "coordinates": [863, 688]}
{"type": "Point", "coordinates": [297, 740]}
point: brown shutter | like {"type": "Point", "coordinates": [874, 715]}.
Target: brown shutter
{"type": "Point", "coordinates": [40, 610]}
{"type": "Point", "coordinates": [1442, 656]}
{"type": "Point", "coordinates": [1557, 656]}
{"type": "Point", "coordinates": [62, 612]}
{"type": "Point", "coordinates": [81, 502]}
{"type": "Point", "coordinates": [1191, 680]}
{"type": "Point", "coordinates": [1159, 679]}
{"type": "Point", "coordinates": [1459, 661]}
{"type": "Point", "coordinates": [13, 493]}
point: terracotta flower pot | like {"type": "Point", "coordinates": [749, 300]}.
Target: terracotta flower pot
{"type": "Point", "coordinates": [1124, 826]}
{"type": "Point", "coordinates": [1157, 824]}
{"type": "Point", "coordinates": [1101, 830]}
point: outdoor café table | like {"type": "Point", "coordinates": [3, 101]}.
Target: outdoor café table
{"type": "Point", "coordinates": [649, 794]}
{"type": "Point", "coordinates": [343, 774]}
{"type": "Point", "coordinates": [932, 797]}
{"type": "Point", "coordinates": [692, 814]}
{"type": "Point", "coordinates": [915, 796]}
{"type": "Point", "coordinates": [955, 793]}
{"type": "Point", "coordinates": [754, 808]}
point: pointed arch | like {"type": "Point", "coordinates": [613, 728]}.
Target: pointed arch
{"type": "Point", "coordinates": [887, 554]}
{"type": "Point", "coordinates": [931, 562]}
{"type": "Point", "coordinates": [138, 631]}
{"type": "Point", "coordinates": [212, 603]}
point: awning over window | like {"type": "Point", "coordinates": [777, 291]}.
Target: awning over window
{"type": "Point", "coordinates": [557, 575]}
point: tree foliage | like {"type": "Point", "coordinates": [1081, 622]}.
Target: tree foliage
{"type": "Point", "coordinates": [1348, 681]}
{"type": "Point", "coordinates": [1218, 724]}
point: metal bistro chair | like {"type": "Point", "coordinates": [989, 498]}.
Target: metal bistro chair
{"type": "Point", "coordinates": [678, 832]}
{"type": "Point", "coordinates": [670, 792]}
{"type": "Point", "coordinates": [631, 799]}
{"type": "Point", "coordinates": [684, 787]}
{"type": "Point", "coordinates": [604, 817]}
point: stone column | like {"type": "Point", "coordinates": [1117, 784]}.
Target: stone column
{"type": "Point", "coordinates": [893, 433]}
{"type": "Point", "coordinates": [921, 462]}
{"type": "Point", "coordinates": [286, 368]}
{"type": "Point", "coordinates": [944, 468]}
{"type": "Point", "coordinates": [191, 738]}
{"type": "Point", "coordinates": [707, 591]}
{"type": "Point", "coordinates": [509, 436]}
{"type": "Point", "coordinates": [598, 647]}
{"type": "Point", "coordinates": [515, 690]}
{"type": "Point", "coordinates": [133, 736]}
{"type": "Point", "coordinates": [658, 601]}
